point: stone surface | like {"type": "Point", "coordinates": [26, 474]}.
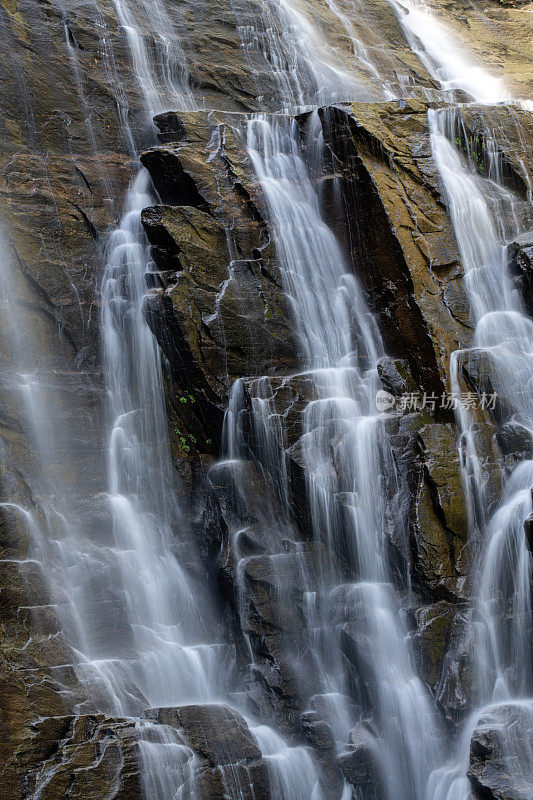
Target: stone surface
{"type": "Point", "coordinates": [441, 538]}
{"type": "Point", "coordinates": [217, 732]}
{"type": "Point", "coordinates": [90, 757]}
{"type": "Point", "coordinates": [520, 255]}
{"type": "Point", "coordinates": [72, 116]}
{"type": "Point", "coordinates": [219, 312]}
{"type": "Point", "coordinates": [397, 232]}
{"type": "Point", "coordinates": [430, 479]}
{"type": "Point", "coordinates": [528, 530]}
{"type": "Point", "coordinates": [501, 767]}
{"type": "Point", "coordinates": [432, 640]}
{"type": "Point", "coordinates": [228, 758]}
{"type": "Point", "coordinates": [358, 763]}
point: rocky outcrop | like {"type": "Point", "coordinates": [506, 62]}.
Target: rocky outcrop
{"type": "Point", "coordinates": [497, 142]}
{"type": "Point", "coordinates": [88, 758]}
{"type": "Point", "coordinates": [500, 754]}
{"type": "Point", "coordinates": [394, 225]}
{"type": "Point", "coordinates": [72, 118]}
{"type": "Point", "coordinates": [429, 472]}
{"type": "Point", "coordinates": [218, 310]}
{"type": "Point", "coordinates": [359, 764]}
{"type": "Point", "coordinates": [227, 758]}
{"type": "Point", "coordinates": [520, 260]}
{"type": "Point", "coordinates": [411, 258]}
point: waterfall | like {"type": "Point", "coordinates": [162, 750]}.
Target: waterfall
{"type": "Point", "coordinates": [305, 71]}
{"type": "Point", "coordinates": [438, 50]}
{"type": "Point", "coordinates": [345, 454]}
{"type": "Point", "coordinates": [109, 539]}
{"type": "Point", "coordinates": [486, 217]}
{"type": "Point", "coordinates": [173, 661]}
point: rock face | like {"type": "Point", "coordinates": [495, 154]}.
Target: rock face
{"type": "Point", "coordinates": [194, 315]}
{"type": "Point", "coordinates": [358, 764]}
{"type": "Point", "coordinates": [501, 767]}
{"type": "Point", "coordinates": [89, 757]}
{"type": "Point", "coordinates": [228, 759]}
{"type": "Point", "coordinates": [396, 229]}
{"type": "Point", "coordinates": [219, 311]}
{"type": "Point", "coordinates": [521, 268]}
{"type": "Point", "coordinates": [74, 116]}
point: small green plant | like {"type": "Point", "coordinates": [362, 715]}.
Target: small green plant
{"type": "Point", "coordinates": [183, 399]}
{"type": "Point", "coordinates": [208, 441]}
{"type": "Point", "coordinates": [471, 147]}
{"type": "Point", "coordinates": [192, 438]}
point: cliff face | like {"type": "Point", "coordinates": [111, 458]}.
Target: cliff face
{"type": "Point", "coordinates": [74, 119]}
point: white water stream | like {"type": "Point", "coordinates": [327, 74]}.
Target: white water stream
{"type": "Point", "coordinates": [166, 646]}
{"type": "Point", "coordinates": [345, 454]}
{"type": "Point", "coordinates": [486, 217]}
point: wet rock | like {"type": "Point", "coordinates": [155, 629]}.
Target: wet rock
{"type": "Point", "coordinates": [441, 538]}
{"type": "Point", "coordinates": [279, 583]}
{"type": "Point", "coordinates": [501, 767]}
{"type": "Point", "coordinates": [276, 595]}
{"type": "Point", "coordinates": [473, 134]}
{"type": "Point", "coordinates": [528, 530]}
{"type": "Point", "coordinates": [282, 401]}
{"type": "Point", "coordinates": [456, 691]}
{"type": "Point", "coordinates": [358, 763]}
{"type": "Point", "coordinates": [170, 126]}
{"type": "Point", "coordinates": [520, 263]}
{"type": "Point", "coordinates": [516, 440]}
{"type": "Point", "coordinates": [219, 312]}
{"type": "Point", "coordinates": [477, 369]}
{"type": "Point", "coordinates": [56, 224]}
{"type": "Point", "coordinates": [14, 535]}
{"type": "Point", "coordinates": [225, 289]}
{"type": "Point", "coordinates": [165, 250]}
{"type": "Point", "coordinates": [318, 732]}
{"type": "Point", "coordinates": [499, 137]}
{"type": "Point", "coordinates": [432, 639]}
{"type": "Point", "coordinates": [173, 184]}
{"type": "Point", "coordinates": [434, 506]}
{"type": "Point", "coordinates": [217, 732]}
{"type": "Point", "coordinates": [229, 760]}
{"type": "Point", "coordinates": [23, 583]}
{"type": "Point", "coordinates": [394, 226]}
{"type": "Point", "coordinates": [395, 376]}
{"type": "Point", "coordinates": [89, 757]}
{"type": "Point", "coordinates": [287, 397]}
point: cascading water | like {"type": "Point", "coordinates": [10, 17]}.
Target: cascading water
{"type": "Point", "coordinates": [137, 562]}
{"type": "Point", "coordinates": [439, 52]}
{"type": "Point", "coordinates": [174, 662]}
{"type": "Point", "coordinates": [146, 517]}
{"type": "Point", "coordinates": [125, 563]}
{"type": "Point", "coordinates": [485, 219]}
{"type": "Point", "coordinates": [345, 454]}
{"type": "Point", "coordinates": [304, 70]}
